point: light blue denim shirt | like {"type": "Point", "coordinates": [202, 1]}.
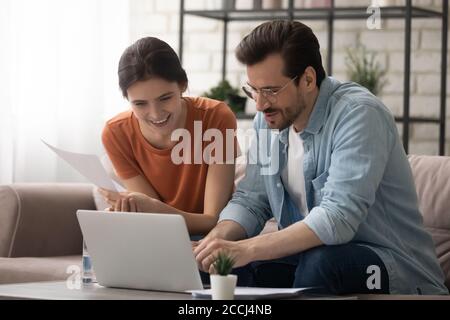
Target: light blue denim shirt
{"type": "Point", "coordinates": [358, 182]}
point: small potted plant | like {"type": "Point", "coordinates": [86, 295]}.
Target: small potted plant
{"type": "Point", "coordinates": [223, 283]}
{"type": "Point", "coordinates": [363, 69]}
{"type": "Point", "coordinates": [227, 93]}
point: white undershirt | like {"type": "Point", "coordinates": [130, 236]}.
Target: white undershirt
{"type": "Point", "coordinates": [292, 175]}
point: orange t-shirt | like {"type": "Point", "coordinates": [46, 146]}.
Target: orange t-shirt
{"type": "Point", "coordinates": [179, 185]}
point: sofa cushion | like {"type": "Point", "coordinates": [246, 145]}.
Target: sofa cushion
{"type": "Point", "coordinates": [432, 176]}
{"type": "Point", "coordinates": [38, 220]}
{"type": "Point", "coordinates": [15, 270]}
{"type": "Point", "coordinates": [8, 218]}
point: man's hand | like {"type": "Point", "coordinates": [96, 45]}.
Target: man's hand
{"type": "Point", "coordinates": [206, 251]}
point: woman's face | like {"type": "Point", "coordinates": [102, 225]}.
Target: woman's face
{"type": "Point", "coordinates": [157, 104]}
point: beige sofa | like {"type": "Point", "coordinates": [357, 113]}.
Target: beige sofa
{"type": "Point", "coordinates": [40, 237]}
{"type": "Point", "coordinates": [39, 233]}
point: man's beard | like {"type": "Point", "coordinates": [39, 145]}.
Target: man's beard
{"type": "Point", "coordinates": [288, 116]}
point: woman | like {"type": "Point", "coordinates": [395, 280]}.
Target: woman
{"type": "Point", "coordinates": [145, 149]}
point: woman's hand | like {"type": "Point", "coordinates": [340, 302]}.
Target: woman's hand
{"type": "Point", "coordinates": [134, 202]}
{"type": "Point", "coordinates": [111, 197]}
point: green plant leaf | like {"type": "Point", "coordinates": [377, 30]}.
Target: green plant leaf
{"type": "Point", "coordinates": [363, 68]}
{"type": "Point", "coordinates": [223, 264]}
{"type": "Point", "coordinates": [224, 91]}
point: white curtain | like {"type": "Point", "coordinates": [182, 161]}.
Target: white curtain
{"type": "Point", "coordinates": [58, 82]}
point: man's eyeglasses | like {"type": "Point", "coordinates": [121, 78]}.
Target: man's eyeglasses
{"type": "Point", "coordinates": [269, 94]}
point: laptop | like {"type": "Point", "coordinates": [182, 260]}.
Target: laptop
{"type": "Point", "coordinates": [140, 250]}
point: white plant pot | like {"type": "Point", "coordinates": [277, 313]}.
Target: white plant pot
{"type": "Point", "coordinates": [383, 3]}
{"type": "Point", "coordinates": [222, 287]}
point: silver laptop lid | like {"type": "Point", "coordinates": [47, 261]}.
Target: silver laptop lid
{"type": "Point", "coordinates": [140, 250]}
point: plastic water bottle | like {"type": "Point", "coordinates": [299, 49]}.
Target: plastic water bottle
{"type": "Point", "coordinates": [87, 275]}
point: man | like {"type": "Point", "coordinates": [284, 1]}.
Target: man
{"type": "Point", "coordinates": [343, 194]}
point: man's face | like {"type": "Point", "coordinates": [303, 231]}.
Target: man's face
{"type": "Point", "coordinates": [287, 104]}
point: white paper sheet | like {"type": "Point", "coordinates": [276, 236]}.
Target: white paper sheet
{"type": "Point", "coordinates": [254, 293]}
{"type": "Point", "coordinates": [89, 166]}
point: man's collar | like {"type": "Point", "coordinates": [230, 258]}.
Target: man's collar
{"type": "Point", "coordinates": [317, 118]}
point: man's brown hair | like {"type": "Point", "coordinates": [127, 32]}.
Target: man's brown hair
{"type": "Point", "coordinates": [293, 40]}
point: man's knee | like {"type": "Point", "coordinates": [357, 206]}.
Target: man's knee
{"type": "Point", "coordinates": [315, 267]}
{"type": "Point", "coordinates": [340, 269]}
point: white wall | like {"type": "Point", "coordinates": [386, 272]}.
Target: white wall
{"type": "Point", "coordinates": [203, 41]}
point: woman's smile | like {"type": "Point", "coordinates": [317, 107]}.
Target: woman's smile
{"type": "Point", "coordinates": [160, 123]}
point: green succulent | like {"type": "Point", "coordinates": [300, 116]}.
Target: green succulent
{"type": "Point", "coordinates": [363, 69]}
{"type": "Point", "coordinates": [223, 264]}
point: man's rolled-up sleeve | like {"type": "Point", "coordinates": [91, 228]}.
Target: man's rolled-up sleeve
{"type": "Point", "coordinates": [362, 143]}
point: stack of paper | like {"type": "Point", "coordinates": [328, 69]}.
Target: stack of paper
{"type": "Point", "coordinates": [250, 293]}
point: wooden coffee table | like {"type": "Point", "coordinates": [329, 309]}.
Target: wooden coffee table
{"type": "Point", "coordinates": [60, 291]}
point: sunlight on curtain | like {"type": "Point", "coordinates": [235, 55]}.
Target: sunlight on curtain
{"type": "Point", "coordinates": [6, 130]}
{"type": "Point", "coordinates": [58, 62]}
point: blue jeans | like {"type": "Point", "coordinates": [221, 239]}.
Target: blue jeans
{"type": "Point", "coordinates": [341, 269]}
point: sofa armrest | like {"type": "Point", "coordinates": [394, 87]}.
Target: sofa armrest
{"type": "Point", "coordinates": [39, 220]}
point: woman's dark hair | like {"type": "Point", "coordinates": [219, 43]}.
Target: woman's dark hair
{"type": "Point", "coordinates": [147, 58]}
{"type": "Point", "coordinates": [295, 41]}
